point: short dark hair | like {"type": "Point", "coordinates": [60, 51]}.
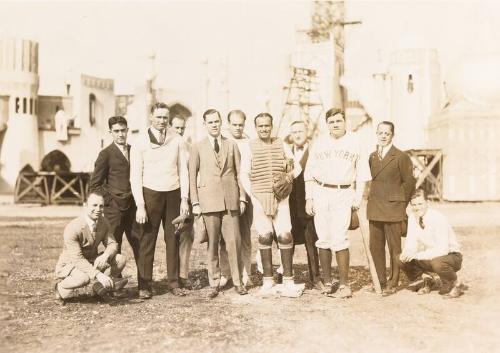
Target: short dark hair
{"type": "Point", "coordinates": [334, 111]}
{"type": "Point", "coordinates": [95, 192]}
{"type": "Point", "coordinates": [263, 115]}
{"type": "Point", "coordinates": [171, 119]}
{"type": "Point", "coordinates": [117, 120]}
{"type": "Point", "coordinates": [417, 193]}
{"type": "Point", "coordinates": [159, 105]}
{"type": "Point", "coordinates": [236, 112]}
{"type": "Point", "coordinates": [209, 112]}
{"type": "Point", "coordinates": [388, 123]}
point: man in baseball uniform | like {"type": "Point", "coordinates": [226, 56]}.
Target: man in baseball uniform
{"type": "Point", "coordinates": [335, 178]}
{"type": "Point", "coordinates": [266, 158]}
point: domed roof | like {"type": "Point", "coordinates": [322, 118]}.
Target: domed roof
{"type": "Point", "coordinates": [475, 78]}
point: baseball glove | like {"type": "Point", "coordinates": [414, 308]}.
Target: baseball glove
{"type": "Point", "coordinates": [282, 185]}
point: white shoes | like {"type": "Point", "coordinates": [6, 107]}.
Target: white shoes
{"type": "Point", "coordinates": [223, 281]}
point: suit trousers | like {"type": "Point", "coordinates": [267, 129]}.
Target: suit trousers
{"type": "Point", "coordinates": [161, 207]}
{"type": "Point", "coordinates": [122, 221]}
{"type": "Point", "coordinates": [380, 232]}
{"type": "Point", "coordinates": [227, 224]}
{"type": "Point", "coordinates": [77, 278]}
{"type": "Point", "coordinates": [302, 225]}
{"type": "Point", "coordinates": [185, 245]}
{"type": "Point", "coordinates": [446, 267]}
{"type": "Point", "coordinates": [246, 220]}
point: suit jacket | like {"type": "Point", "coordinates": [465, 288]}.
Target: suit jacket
{"type": "Point", "coordinates": [297, 199]}
{"type": "Point", "coordinates": [111, 176]}
{"type": "Point", "coordinates": [391, 187]}
{"type": "Point", "coordinates": [81, 247]}
{"type": "Point", "coordinates": [213, 182]}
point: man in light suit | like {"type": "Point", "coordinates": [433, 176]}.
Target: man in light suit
{"type": "Point", "coordinates": [79, 262]}
{"type": "Point", "coordinates": [214, 164]}
{"type": "Point", "coordinates": [111, 177]}
{"type": "Point", "coordinates": [390, 191]}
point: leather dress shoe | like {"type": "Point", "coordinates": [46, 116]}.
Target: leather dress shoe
{"type": "Point", "coordinates": [455, 292]}
{"type": "Point", "coordinates": [213, 292]}
{"type": "Point", "coordinates": [185, 283]}
{"type": "Point", "coordinates": [58, 295]}
{"type": "Point", "coordinates": [388, 291]}
{"type": "Point", "coordinates": [119, 283]}
{"type": "Point", "coordinates": [178, 292]}
{"type": "Point", "coordinates": [319, 285]}
{"type": "Point", "coordinates": [145, 294]}
{"type": "Point", "coordinates": [99, 289]}
{"type": "Point", "coordinates": [240, 290]}
{"type": "Point", "coordinates": [446, 288]}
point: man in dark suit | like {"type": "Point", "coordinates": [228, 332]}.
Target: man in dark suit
{"type": "Point", "coordinates": [214, 165]}
{"type": "Point", "coordinates": [111, 177]}
{"type": "Point", "coordinates": [303, 230]}
{"type": "Point", "coordinates": [391, 188]}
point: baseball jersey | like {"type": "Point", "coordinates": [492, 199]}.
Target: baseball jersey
{"type": "Point", "coordinates": [336, 161]}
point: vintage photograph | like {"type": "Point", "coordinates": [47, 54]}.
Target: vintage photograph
{"type": "Point", "coordinates": [249, 176]}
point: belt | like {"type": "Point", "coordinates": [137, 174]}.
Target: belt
{"type": "Point", "coordinates": [333, 186]}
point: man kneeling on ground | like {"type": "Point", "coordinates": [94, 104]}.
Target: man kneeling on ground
{"type": "Point", "coordinates": [79, 262]}
{"type": "Point", "coordinates": [431, 246]}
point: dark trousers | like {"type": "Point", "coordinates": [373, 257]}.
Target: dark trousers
{"type": "Point", "coordinates": [446, 267]}
{"type": "Point", "coordinates": [380, 232]}
{"type": "Point", "coordinates": [226, 224]}
{"type": "Point", "coordinates": [305, 226]}
{"type": "Point", "coordinates": [161, 207]}
{"type": "Point", "coordinates": [122, 221]}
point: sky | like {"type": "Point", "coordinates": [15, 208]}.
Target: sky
{"type": "Point", "coordinates": [114, 39]}
{"type": "Point", "coordinates": [248, 42]}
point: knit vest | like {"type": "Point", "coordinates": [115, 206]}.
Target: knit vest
{"type": "Point", "coordinates": [267, 160]}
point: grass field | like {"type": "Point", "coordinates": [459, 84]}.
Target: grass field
{"type": "Point", "coordinates": [32, 321]}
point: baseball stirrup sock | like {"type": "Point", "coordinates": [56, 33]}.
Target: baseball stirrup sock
{"type": "Point", "coordinates": [325, 259]}
{"type": "Point", "coordinates": [342, 257]}
{"type": "Point", "coordinates": [287, 262]}
{"type": "Point", "coordinates": [267, 262]}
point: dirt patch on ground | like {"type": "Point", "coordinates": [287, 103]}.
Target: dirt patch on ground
{"type": "Point", "coordinates": [32, 321]}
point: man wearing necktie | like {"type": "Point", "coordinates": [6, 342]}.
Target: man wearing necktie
{"type": "Point", "coordinates": [111, 177]}
{"type": "Point", "coordinates": [214, 165]}
{"type": "Point", "coordinates": [160, 185]}
{"type": "Point", "coordinates": [431, 246]}
{"type": "Point", "coordinates": [303, 230]}
{"type": "Point", "coordinates": [390, 191]}
{"type": "Point", "coordinates": [80, 263]}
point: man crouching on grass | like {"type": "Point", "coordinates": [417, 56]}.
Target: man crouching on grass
{"type": "Point", "coordinates": [431, 247]}
{"type": "Point", "coordinates": [79, 262]}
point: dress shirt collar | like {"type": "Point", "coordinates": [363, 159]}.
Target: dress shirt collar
{"type": "Point", "coordinates": [383, 150]}
{"type": "Point", "coordinates": [156, 133]}
{"type": "Point", "coordinates": [90, 222]}
{"type": "Point", "coordinates": [211, 139]}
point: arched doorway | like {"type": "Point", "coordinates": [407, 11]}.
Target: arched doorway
{"type": "Point", "coordinates": [55, 161]}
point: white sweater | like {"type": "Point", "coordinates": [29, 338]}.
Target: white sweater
{"type": "Point", "coordinates": [159, 168]}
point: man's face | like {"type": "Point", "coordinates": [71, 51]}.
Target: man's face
{"type": "Point", "coordinates": [94, 206]}
{"type": "Point", "coordinates": [179, 125]}
{"type": "Point", "coordinates": [419, 206]}
{"type": "Point", "coordinates": [384, 135]}
{"type": "Point", "coordinates": [336, 125]}
{"type": "Point", "coordinates": [264, 126]}
{"type": "Point", "coordinates": [236, 125]}
{"type": "Point", "coordinates": [213, 124]}
{"type": "Point", "coordinates": [119, 133]}
{"type": "Point", "coordinates": [159, 118]}
{"type": "Point", "coordinates": [299, 134]}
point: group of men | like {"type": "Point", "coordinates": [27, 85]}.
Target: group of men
{"type": "Point", "coordinates": [229, 183]}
